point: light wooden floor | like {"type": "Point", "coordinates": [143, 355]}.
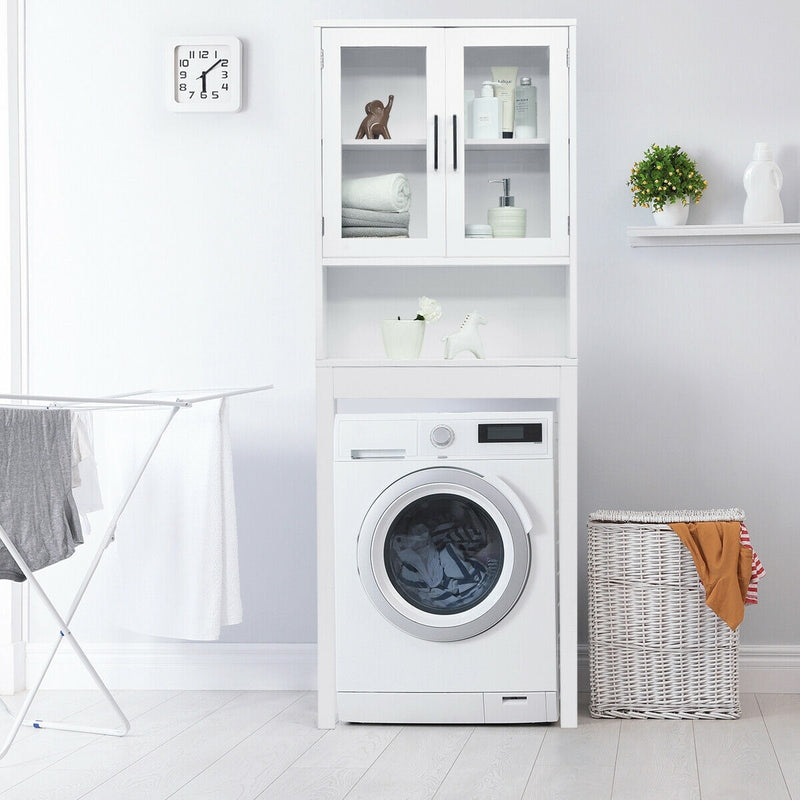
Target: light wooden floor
{"type": "Point", "coordinates": [242, 745]}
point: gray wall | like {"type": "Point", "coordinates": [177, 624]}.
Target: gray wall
{"type": "Point", "coordinates": [688, 356]}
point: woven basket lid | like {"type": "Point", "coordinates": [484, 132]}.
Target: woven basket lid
{"type": "Point", "coordinates": [684, 515]}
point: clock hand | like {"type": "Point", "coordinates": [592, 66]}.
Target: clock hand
{"type": "Point", "coordinates": [202, 77]}
{"type": "Point", "coordinates": [216, 63]}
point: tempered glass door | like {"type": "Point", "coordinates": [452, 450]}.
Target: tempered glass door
{"type": "Point", "coordinates": [532, 151]}
{"type": "Point", "coordinates": [383, 196]}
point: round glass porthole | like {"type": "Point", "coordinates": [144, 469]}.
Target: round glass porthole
{"type": "Point", "coordinates": [443, 554]}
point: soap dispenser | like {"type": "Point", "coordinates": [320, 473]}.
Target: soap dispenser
{"type": "Point", "coordinates": [487, 117]}
{"type": "Point", "coordinates": [506, 220]}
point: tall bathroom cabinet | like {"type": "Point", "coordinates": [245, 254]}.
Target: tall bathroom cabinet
{"type": "Point", "coordinates": [524, 287]}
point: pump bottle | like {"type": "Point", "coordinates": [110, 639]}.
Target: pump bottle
{"type": "Point", "coordinates": [506, 220]}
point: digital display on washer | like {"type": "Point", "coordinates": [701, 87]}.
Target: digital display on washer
{"type": "Point", "coordinates": [504, 432]}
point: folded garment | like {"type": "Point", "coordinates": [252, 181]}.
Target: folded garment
{"type": "Point", "coordinates": [363, 217]}
{"type": "Point", "coordinates": [723, 564]}
{"type": "Point", "coordinates": [384, 233]}
{"type": "Point", "coordinates": [379, 193]}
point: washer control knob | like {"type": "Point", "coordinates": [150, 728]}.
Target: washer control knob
{"type": "Point", "coordinates": [442, 436]}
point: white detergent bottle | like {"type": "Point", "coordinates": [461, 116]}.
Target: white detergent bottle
{"type": "Point", "coordinates": [762, 182]}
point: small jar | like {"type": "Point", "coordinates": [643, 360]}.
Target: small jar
{"type": "Point", "coordinates": [477, 231]}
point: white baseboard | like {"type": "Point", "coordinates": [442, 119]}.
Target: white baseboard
{"type": "Point", "coordinates": [769, 669]}
{"type": "Point", "coordinates": [180, 665]}
{"type": "Point", "coordinates": [190, 665]}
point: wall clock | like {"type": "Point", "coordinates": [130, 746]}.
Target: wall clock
{"type": "Point", "coordinates": [204, 73]}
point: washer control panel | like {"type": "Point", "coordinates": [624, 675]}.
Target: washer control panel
{"type": "Point", "coordinates": [449, 436]}
{"type": "Point", "coordinates": [446, 436]}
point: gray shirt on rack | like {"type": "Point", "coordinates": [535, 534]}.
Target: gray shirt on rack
{"type": "Point", "coordinates": [37, 509]}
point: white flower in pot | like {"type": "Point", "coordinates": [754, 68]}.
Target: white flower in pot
{"type": "Point", "coordinates": [402, 338]}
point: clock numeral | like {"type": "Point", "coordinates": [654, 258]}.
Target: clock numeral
{"type": "Point", "coordinates": [224, 74]}
{"type": "Point", "coordinates": [203, 95]}
{"type": "Point", "coordinates": [181, 87]}
{"type": "Point", "coordinates": [215, 95]}
{"type": "Point", "coordinates": [184, 62]}
{"type": "Point", "coordinates": [183, 74]}
{"type": "Point", "coordinates": [223, 62]}
{"type": "Point", "coordinates": [192, 54]}
{"type": "Point", "coordinates": [204, 54]}
{"type": "Point", "coordinates": [224, 86]}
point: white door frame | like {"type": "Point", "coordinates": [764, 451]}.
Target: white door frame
{"type": "Point", "coordinates": [13, 292]}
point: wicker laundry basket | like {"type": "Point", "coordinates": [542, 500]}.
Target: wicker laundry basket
{"type": "Point", "coordinates": [656, 651]}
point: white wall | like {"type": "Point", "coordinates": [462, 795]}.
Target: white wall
{"type": "Point", "coordinates": [689, 356]}
{"type": "Point", "coordinates": [175, 250]}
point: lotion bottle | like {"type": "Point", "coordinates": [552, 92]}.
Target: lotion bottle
{"type": "Point", "coordinates": [525, 110]}
{"type": "Point", "coordinates": [486, 113]}
{"type": "Point", "coordinates": [507, 221]}
{"type": "Point", "coordinates": [762, 182]}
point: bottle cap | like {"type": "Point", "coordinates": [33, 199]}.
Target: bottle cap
{"type": "Point", "coordinates": [525, 81]}
{"type": "Point", "coordinates": [762, 152]}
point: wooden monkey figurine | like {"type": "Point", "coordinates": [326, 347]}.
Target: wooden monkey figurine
{"type": "Point", "coordinates": [374, 124]}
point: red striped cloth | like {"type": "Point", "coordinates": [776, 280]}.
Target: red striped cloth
{"type": "Point", "coordinates": [758, 571]}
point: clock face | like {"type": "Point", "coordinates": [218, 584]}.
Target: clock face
{"type": "Point", "coordinates": [206, 74]}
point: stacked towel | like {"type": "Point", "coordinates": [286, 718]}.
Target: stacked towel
{"type": "Point", "coordinates": [376, 206]}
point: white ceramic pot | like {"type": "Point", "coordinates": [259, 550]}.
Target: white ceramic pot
{"type": "Point", "coordinates": [402, 338]}
{"type": "Point", "coordinates": [674, 213]}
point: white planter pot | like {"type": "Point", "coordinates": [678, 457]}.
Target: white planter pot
{"type": "Point", "coordinates": [674, 213]}
{"type": "Point", "coordinates": [402, 338]}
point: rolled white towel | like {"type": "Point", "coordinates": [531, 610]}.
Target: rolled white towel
{"type": "Point", "coordinates": [379, 193]}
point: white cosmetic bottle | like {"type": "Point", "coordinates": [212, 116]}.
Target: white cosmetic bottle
{"type": "Point", "coordinates": [486, 113]}
{"type": "Point", "coordinates": [507, 221]}
{"type": "Point", "coordinates": [525, 110]}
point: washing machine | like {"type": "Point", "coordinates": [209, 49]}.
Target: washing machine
{"type": "Point", "coordinates": [445, 568]}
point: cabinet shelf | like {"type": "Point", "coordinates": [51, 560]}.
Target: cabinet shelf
{"type": "Point", "coordinates": [685, 235]}
{"type": "Point", "coordinates": [384, 144]}
{"type": "Point", "coordinates": [400, 145]}
{"type": "Point", "coordinates": [441, 363]}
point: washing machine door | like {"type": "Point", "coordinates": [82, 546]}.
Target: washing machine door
{"type": "Point", "coordinates": [444, 553]}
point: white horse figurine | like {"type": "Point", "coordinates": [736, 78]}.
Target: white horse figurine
{"type": "Point", "coordinates": [467, 337]}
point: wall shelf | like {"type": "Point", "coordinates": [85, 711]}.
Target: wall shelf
{"type": "Point", "coordinates": [683, 235]}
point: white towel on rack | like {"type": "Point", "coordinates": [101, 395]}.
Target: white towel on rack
{"type": "Point", "coordinates": [177, 541]}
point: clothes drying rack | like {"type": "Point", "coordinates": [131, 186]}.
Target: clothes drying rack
{"type": "Point", "coordinates": [130, 400]}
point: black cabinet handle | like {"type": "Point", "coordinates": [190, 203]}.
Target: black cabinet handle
{"type": "Point", "coordinates": [435, 142]}
{"type": "Point", "coordinates": [455, 143]}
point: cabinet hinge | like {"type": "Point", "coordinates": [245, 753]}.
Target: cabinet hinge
{"type": "Point", "coordinates": [568, 58]}
{"type": "Point", "coordinates": [321, 59]}
{"type": "Point", "coordinates": [569, 222]}
{"type": "Point", "coordinates": [323, 226]}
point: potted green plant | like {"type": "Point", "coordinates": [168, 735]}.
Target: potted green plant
{"type": "Point", "coordinates": [402, 338]}
{"type": "Point", "coordinates": [666, 180]}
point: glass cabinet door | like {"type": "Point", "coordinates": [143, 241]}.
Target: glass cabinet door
{"type": "Point", "coordinates": [383, 196]}
{"type": "Point", "coordinates": [534, 160]}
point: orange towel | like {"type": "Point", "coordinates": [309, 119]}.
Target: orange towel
{"type": "Point", "coordinates": [723, 564]}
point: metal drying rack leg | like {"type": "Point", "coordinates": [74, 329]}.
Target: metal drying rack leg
{"type": "Point", "coordinates": [63, 622]}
